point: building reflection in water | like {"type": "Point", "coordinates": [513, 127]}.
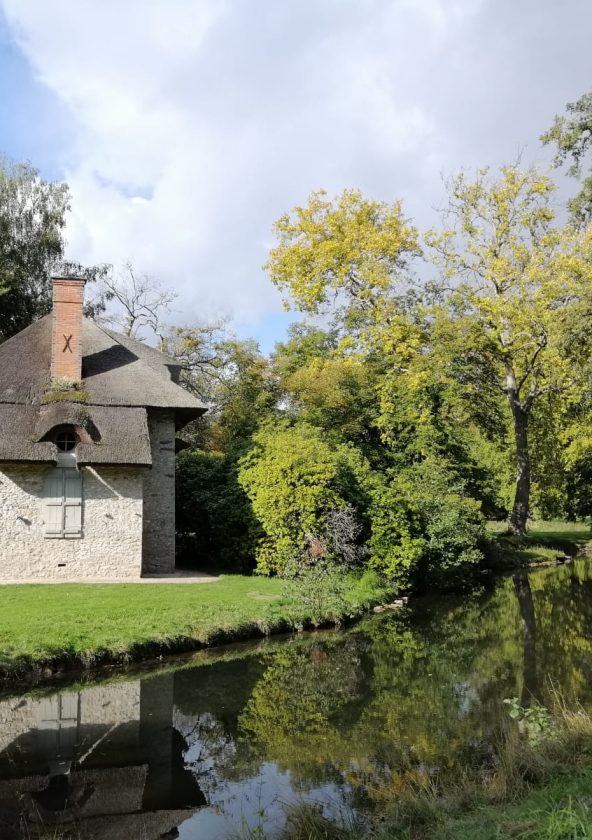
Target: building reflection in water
{"type": "Point", "coordinates": [102, 763]}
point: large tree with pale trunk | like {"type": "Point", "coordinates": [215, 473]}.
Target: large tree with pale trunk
{"type": "Point", "coordinates": [516, 293]}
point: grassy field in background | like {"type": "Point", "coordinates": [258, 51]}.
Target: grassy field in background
{"type": "Point", "coordinates": [544, 542]}
{"type": "Point", "coordinates": [91, 622]}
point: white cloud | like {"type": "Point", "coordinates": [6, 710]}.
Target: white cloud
{"type": "Point", "coordinates": [195, 124]}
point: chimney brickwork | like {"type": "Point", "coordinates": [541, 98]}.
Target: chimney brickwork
{"type": "Point", "coordinates": [66, 350]}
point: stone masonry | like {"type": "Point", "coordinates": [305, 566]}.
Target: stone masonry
{"type": "Point", "coordinates": [111, 542]}
{"type": "Point", "coordinates": [158, 556]}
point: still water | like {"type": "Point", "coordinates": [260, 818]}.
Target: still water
{"type": "Point", "coordinates": [196, 750]}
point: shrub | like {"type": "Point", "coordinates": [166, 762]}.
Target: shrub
{"type": "Point", "coordinates": [317, 500]}
{"type": "Point", "coordinates": [450, 523]}
{"type": "Point", "coordinates": [293, 478]}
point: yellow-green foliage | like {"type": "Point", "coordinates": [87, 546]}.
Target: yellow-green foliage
{"type": "Point", "coordinates": [526, 283]}
{"type": "Point", "coordinates": [292, 477]}
{"type": "Point", "coordinates": [351, 245]}
{"type": "Point", "coordinates": [336, 394]}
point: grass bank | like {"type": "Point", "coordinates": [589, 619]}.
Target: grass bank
{"type": "Point", "coordinates": [545, 543]}
{"type": "Point", "coordinates": [45, 629]}
{"type": "Point", "coordinates": [534, 783]}
{"type": "Point", "coordinates": [560, 810]}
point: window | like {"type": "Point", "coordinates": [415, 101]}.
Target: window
{"type": "Point", "coordinates": [62, 502]}
{"type": "Point", "coordinates": [66, 439]}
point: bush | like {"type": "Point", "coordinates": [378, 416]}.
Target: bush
{"type": "Point", "coordinates": [452, 528]}
{"type": "Point", "coordinates": [320, 501]}
{"type": "Point", "coordinates": [296, 481]}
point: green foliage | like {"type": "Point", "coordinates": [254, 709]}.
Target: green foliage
{"type": "Point", "coordinates": [579, 487]}
{"type": "Point", "coordinates": [80, 396]}
{"type": "Point", "coordinates": [321, 589]}
{"type": "Point", "coordinates": [572, 137]}
{"type": "Point", "coordinates": [424, 528]}
{"type": "Point", "coordinates": [32, 219]}
{"type": "Point", "coordinates": [534, 722]}
{"type": "Point", "coordinates": [351, 246]}
{"type": "Point", "coordinates": [519, 306]}
{"type": "Point", "coordinates": [337, 395]}
{"type": "Point", "coordinates": [213, 516]}
{"type": "Point", "coordinates": [306, 342]}
{"type": "Point", "coordinates": [293, 478]}
{"type": "Point", "coordinates": [450, 523]}
{"type": "Point", "coordinates": [417, 522]}
{"type": "Point", "coordinates": [64, 389]}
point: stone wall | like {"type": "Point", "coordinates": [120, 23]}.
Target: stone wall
{"type": "Point", "coordinates": [159, 495]}
{"type": "Point", "coordinates": [111, 542]}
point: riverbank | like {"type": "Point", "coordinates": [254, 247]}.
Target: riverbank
{"type": "Point", "coordinates": [559, 810]}
{"type": "Point", "coordinates": [546, 543]}
{"type": "Point", "coordinates": [535, 784]}
{"type": "Point", "coordinates": [45, 630]}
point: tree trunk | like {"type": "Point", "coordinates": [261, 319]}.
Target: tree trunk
{"type": "Point", "coordinates": [519, 515]}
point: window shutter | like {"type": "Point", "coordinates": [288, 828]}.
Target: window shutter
{"type": "Point", "coordinates": [62, 503]}
{"type": "Point", "coordinates": [72, 503]}
{"type": "Point", "coordinates": [53, 503]}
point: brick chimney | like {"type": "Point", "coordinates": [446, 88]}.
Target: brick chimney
{"type": "Point", "coordinates": [66, 352]}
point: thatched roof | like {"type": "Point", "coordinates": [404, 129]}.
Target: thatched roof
{"type": "Point", "coordinates": [121, 378]}
{"type": "Point", "coordinates": [116, 370]}
{"type": "Point", "coordinates": [108, 435]}
{"type": "Point", "coordinates": [18, 441]}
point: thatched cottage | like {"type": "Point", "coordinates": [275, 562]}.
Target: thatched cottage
{"type": "Point", "coordinates": [87, 449]}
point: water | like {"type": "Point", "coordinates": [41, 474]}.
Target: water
{"type": "Point", "coordinates": [344, 718]}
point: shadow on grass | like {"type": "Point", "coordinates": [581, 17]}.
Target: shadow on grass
{"type": "Point", "coordinates": [544, 544]}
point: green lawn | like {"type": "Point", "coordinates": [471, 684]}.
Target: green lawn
{"type": "Point", "coordinates": [89, 622]}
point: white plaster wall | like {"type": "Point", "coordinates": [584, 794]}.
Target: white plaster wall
{"type": "Point", "coordinates": [111, 544]}
{"type": "Point", "coordinates": [159, 495]}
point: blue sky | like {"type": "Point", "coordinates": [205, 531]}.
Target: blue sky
{"type": "Point", "coordinates": [186, 127]}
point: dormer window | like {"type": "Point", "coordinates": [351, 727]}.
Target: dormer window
{"type": "Point", "coordinates": [66, 439]}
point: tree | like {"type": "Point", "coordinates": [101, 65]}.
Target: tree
{"type": "Point", "coordinates": [213, 516]}
{"type": "Point", "coordinates": [32, 219]}
{"type": "Point", "coordinates": [371, 386]}
{"type": "Point", "coordinates": [572, 137]}
{"type": "Point", "coordinates": [140, 302]}
{"type": "Point", "coordinates": [349, 255]}
{"type": "Point", "coordinates": [516, 295]}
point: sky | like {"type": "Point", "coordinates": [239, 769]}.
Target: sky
{"type": "Point", "coordinates": [185, 128]}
